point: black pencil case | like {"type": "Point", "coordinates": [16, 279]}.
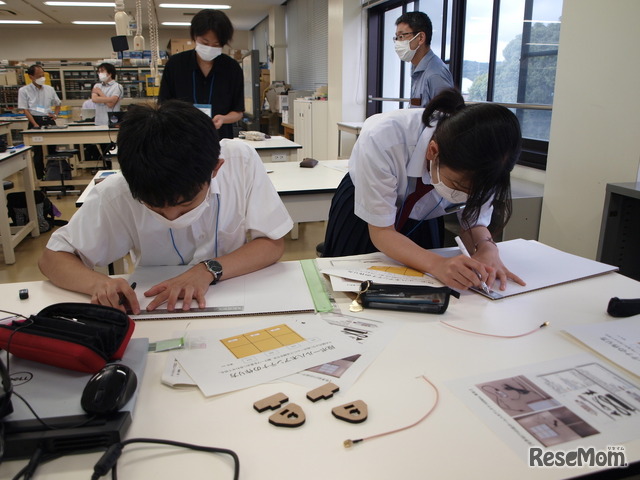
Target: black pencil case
{"type": "Point", "coordinates": [410, 298]}
{"type": "Point", "coordinates": [76, 336]}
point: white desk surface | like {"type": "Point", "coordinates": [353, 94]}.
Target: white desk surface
{"type": "Point", "coordinates": [289, 178]}
{"type": "Point", "coordinates": [70, 135]}
{"type": "Point", "coordinates": [273, 142]}
{"type": "Point", "coordinates": [352, 127]}
{"type": "Point", "coordinates": [452, 443]}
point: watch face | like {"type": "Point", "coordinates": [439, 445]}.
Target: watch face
{"type": "Point", "coordinates": [215, 268]}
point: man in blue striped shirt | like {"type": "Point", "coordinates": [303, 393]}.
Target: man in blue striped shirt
{"type": "Point", "coordinates": [429, 74]}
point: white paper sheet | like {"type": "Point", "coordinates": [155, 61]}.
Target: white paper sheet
{"type": "Point", "coordinates": [618, 340]}
{"type": "Point", "coordinates": [215, 366]}
{"type": "Point", "coordinates": [348, 272]}
{"type": "Point", "coordinates": [562, 404]}
{"type": "Point", "coordinates": [369, 338]}
{"type": "Point", "coordinates": [541, 266]}
{"type": "Point", "coordinates": [280, 288]}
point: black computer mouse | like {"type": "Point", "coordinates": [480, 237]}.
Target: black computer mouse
{"type": "Point", "coordinates": [109, 389]}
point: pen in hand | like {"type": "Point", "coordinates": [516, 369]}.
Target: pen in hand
{"type": "Point", "coordinates": [465, 252]}
{"type": "Point", "coordinates": [123, 298]}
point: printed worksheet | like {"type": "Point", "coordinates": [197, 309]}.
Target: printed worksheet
{"type": "Point", "coordinates": [562, 404]}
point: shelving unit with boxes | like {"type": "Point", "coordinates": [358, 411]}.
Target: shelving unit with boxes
{"type": "Point", "coordinates": [78, 82]}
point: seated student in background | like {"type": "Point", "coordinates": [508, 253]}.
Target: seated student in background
{"type": "Point", "coordinates": [408, 168]}
{"type": "Point", "coordinates": [183, 198]}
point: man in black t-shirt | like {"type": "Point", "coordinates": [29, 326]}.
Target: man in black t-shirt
{"type": "Point", "coordinates": [206, 77]}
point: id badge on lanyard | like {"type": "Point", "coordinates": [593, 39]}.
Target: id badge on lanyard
{"type": "Point", "coordinates": [203, 107]}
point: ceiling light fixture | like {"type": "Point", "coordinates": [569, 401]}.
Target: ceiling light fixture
{"type": "Point", "coordinates": [176, 24]}
{"type": "Point", "coordinates": [194, 5]}
{"type": "Point", "coordinates": [90, 22]}
{"type": "Point", "coordinates": [81, 4]}
{"type": "Point", "coordinates": [21, 22]}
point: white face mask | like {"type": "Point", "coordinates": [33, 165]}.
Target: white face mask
{"type": "Point", "coordinates": [187, 219]}
{"type": "Point", "coordinates": [104, 77]}
{"type": "Point", "coordinates": [451, 195]}
{"type": "Point", "coordinates": [41, 80]}
{"type": "Point", "coordinates": [403, 49]}
{"type": "Point", "coordinates": [206, 52]}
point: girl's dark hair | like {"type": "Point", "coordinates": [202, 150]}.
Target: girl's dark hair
{"type": "Point", "coordinates": [167, 152]}
{"type": "Point", "coordinates": [481, 140]}
{"type": "Point", "coordinates": [212, 20]}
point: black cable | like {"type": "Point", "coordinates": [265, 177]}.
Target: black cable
{"type": "Point", "coordinates": [109, 460]}
{"type": "Point", "coordinates": [1, 441]}
{"type": "Point", "coordinates": [34, 461]}
{"type": "Point", "coordinates": [43, 459]}
{"type": "Point", "coordinates": [52, 427]}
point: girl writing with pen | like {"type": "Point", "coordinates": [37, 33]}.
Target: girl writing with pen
{"type": "Point", "coordinates": [411, 167]}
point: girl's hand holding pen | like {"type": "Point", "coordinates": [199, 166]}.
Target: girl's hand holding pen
{"type": "Point", "coordinates": [460, 272]}
{"type": "Point", "coordinates": [490, 258]}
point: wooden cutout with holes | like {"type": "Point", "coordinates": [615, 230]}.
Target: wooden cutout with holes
{"type": "Point", "coordinates": [323, 392]}
{"type": "Point", "coordinates": [353, 412]}
{"type": "Point", "coordinates": [290, 416]}
{"type": "Point", "coordinates": [271, 403]}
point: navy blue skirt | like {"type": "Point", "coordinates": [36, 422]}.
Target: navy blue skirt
{"type": "Point", "coordinates": [348, 234]}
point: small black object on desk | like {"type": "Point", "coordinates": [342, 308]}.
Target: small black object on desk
{"type": "Point", "coordinates": [619, 307]}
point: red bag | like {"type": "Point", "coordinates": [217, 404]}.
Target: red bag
{"type": "Point", "coordinates": [76, 336]}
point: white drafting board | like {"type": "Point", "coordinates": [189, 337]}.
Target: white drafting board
{"type": "Point", "coordinates": [280, 288]}
{"type": "Point", "coordinates": [541, 266]}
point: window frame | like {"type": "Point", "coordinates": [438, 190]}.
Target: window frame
{"type": "Point", "coordinates": [534, 152]}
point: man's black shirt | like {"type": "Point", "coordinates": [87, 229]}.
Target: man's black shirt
{"type": "Point", "coordinates": [228, 85]}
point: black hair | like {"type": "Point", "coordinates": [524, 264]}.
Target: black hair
{"type": "Point", "coordinates": [32, 69]}
{"type": "Point", "coordinates": [482, 140]}
{"type": "Point", "coordinates": [418, 22]}
{"type": "Point", "coordinates": [167, 152]}
{"type": "Point", "coordinates": [212, 20]}
{"type": "Point", "coordinates": [109, 68]}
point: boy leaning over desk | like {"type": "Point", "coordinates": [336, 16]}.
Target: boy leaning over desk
{"type": "Point", "coordinates": [183, 198]}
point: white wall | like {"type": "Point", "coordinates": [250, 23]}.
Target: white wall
{"type": "Point", "coordinates": [595, 128]}
{"type": "Point", "coordinates": [38, 42]}
{"type": "Point", "coordinates": [346, 68]}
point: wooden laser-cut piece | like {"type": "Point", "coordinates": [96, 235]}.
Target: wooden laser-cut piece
{"type": "Point", "coordinates": [325, 392]}
{"type": "Point", "coordinates": [353, 412]}
{"type": "Point", "coordinates": [290, 416]}
{"type": "Point", "coordinates": [271, 403]}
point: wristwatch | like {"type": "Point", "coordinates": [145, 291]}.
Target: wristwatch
{"type": "Point", "coordinates": [214, 269]}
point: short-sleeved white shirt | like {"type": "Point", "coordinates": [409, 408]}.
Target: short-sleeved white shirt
{"type": "Point", "coordinates": [39, 101]}
{"type": "Point", "coordinates": [110, 89]}
{"type": "Point", "coordinates": [388, 157]}
{"type": "Point", "coordinates": [243, 205]}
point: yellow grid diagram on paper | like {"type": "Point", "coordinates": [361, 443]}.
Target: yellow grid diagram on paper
{"type": "Point", "coordinates": [406, 271]}
{"type": "Point", "coordinates": [260, 341]}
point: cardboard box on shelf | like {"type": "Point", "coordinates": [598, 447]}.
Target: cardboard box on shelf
{"type": "Point", "coordinates": [177, 45]}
